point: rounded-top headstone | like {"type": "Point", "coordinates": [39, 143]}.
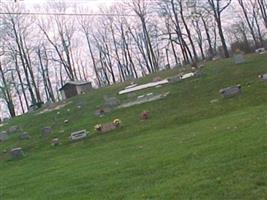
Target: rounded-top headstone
{"type": "Point", "coordinates": [16, 153]}
{"type": "Point", "coordinates": [46, 131]}
{"type": "Point", "coordinates": [24, 136]}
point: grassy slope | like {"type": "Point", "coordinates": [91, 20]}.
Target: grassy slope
{"type": "Point", "coordinates": [189, 149]}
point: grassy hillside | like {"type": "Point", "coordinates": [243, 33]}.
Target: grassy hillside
{"type": "Point", "coordinates": [189, 149]}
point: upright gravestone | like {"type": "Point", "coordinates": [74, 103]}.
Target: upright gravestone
{"type": "Point", "coordinates": [111, 102]}
{"type": "Point", "coordinates": [24, 136]}
{"type": "Point", "coordinates": [16, 153]}
{"type": "Point", "coordinates": [46, 131]}
{"type": "Point", "coordinates": [13, 129]}
{"type": "Point", "coordinates": [231, 91]}
{"type": "Point", "coordinates": [174, 79]}
{"type": "Point", "coordinates": [55, 142]}
{"type": "Point", "coordinates": [3, 136]}
{"type": "Point", "coordinates": [263, 77]}
{"type": "Point", "coordinates": [239, 57]}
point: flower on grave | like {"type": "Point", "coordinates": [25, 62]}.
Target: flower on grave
{"type": "Point", "coordinates": [117, 122]}
{"type": "Point", "coordinates": [98, 127]}
{"type": "Point", "coordinates": [145, 115]}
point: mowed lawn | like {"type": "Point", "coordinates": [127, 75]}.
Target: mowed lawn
{"type": "Point", "coordinates": [190, 148]}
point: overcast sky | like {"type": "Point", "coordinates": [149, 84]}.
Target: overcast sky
{"type": "Point", "coordinates": [93, 3]}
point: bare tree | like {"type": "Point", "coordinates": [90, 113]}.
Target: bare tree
{"type": "Point", "coordinates": [217, 7]}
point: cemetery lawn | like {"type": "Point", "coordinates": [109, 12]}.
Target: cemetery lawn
{"type": "Point", "coordinates": [190, 148]}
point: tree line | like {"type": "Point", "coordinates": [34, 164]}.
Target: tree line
{"type": "Point", "coordinates": [128, 40]}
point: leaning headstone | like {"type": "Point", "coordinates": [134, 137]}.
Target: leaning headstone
{"type": "Point", "coordinates": [239, 57]}
{"type": "Point", "coordinates": [13, 129]}
{"type": "Point", "coordinates": [24, 136]}
{"type": "Point", "coordinates": [46, 131]}
{"type": "Point", "coordinates": [3, 136]}
{"type": "Point", "coordinates": [111, 102]}
{"type": "Point", "coordinates": [55, 142]}
{"type": "Point", "coordinates": [231, 91]}
{"type": "Point", "coordinates": [78, 135]}
{"type": "Point", "coordinates": [16, 153]}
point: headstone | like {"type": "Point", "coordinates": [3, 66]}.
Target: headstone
{"type": "Point", "coordinates": [132, 94]}
{"type": "Point", "coordinates": [107, 128]}
{"type": "Point", "coordinates": [263, 77]}
{"type": "Point", "coordinates": [3, 136]}
{"type": "Point", "coordinates": [24, 136]}
{"type": "Point", "coordinates": [100, 112]}
{"type": "Point", "coordinates": [55, 142]}
{"type": "Point", "coordinates": [231, 91]}
{"type": "Point", "coordinates": [78, 135]}
{"type": "Point", "coordinates": [156, 79]}
{"type": "Point", "coordinates": [46, 131]}
{"type": "Point", "coordinates": [174, 79]}
{"type": "Point", "coordinates": [260, 50]}
{"type": "Point", "coordinates": [13, 129]}
{"type": "Point", "coordinates": [111, 102]}
{"type": "Point", "coordinates": [16, 153]}
{"type": "Point", "coordinates": [239, 58]}
{"type": "Point", "coordinates": [198, 74]}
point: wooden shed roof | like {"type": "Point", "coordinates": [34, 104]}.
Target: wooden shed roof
{"type": "Point", "coordinates": [75, 83]}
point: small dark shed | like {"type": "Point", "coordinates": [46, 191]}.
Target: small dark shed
{"type": "Point", "coordinates": [74, 88]}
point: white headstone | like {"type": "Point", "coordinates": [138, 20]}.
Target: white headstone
{"type": "Point", "coordinates": [78, 135]}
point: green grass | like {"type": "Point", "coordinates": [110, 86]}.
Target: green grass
{"type": "Point", "coordinates": [189, 149]}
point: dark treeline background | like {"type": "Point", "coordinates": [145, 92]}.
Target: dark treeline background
{"type": "Point", "coordinates": [39, 53]}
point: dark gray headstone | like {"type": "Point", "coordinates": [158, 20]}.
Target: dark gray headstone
{"type": "Point", "coordinates": [3, 136]}
{"type": "Point", "coordinates": [46, 131]}
{"type": "Point", "coordinates": [231, 91]}
{"type": "Point", "coordinates": [111, 102]}
{"type": "Point", "coordinates": [24, 136]}
{"type": "Point", "coordinates": [16, 153]}
{"type": "Point", "coordinates": [13, 129]}
{"type": "Point", "coordinates": [174, 79]}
